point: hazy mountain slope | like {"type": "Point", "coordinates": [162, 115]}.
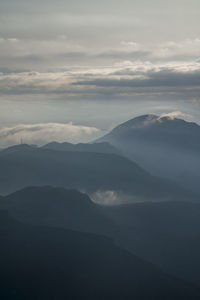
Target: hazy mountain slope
{"type": "Point", "coordinates": [57, 207]}
{"type": "Point", "coordinates": [164, 146]}
{"type": "Point", "coordinates": [85, 171]}
{"type": "Point", "coordinates": [103, 147]}
{"type": "Point", "coordinates": [47, 263]}
{"type": "Point", "coordinates": [19, 147]}
{"type": "Point", "coordinates": [167, 234]}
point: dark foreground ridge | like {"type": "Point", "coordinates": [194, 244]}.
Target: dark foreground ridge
{"type": "Point", "coordinates": [165, 234]}
{"type": "Point", "coordinates": [46, 263]}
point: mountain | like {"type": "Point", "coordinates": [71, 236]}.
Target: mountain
{"type": "Point", "coordinates": [39, 262]}
{"type": "Point", "coordinates": [57, 207]}
{"type": "Point", "coordinates": [164, 146]}
{"type": "Point", "coordinates": [86, 171]}
{"type": "Point", "coordinates": [19, 147]}
{"type": "Point", "coordinates": [165, 233]}
{"type": "Point", "coordinates": [81, 147]}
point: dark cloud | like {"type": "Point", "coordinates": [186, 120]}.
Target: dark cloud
{"type": "Point", "coordinates": [162, 78]}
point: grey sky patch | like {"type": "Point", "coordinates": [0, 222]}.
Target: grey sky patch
{"type": "Point", "coordinates": [96, 51]}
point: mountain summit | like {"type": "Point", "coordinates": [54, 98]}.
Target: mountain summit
{"type": "Point", "coordinates": [149, 125]}
{"type": "Point", "coordinates": [165, 146]}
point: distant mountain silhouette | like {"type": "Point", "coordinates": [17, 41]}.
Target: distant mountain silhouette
{"type": "Point", "coordinates": [87, 171]}
{"type": "Point", "coordinates": [48, 263]}
{"type": "Point", "coordinates": [103, 147]}
{"type": "Point", "coordinates": [162, 145]}
{"type": "Point", "coordinates": [57, 207]}
{"type": "Point", "coordinates": [19, 147]}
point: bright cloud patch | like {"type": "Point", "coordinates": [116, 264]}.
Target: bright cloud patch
{"type": "Point", "coordinates": [174, 114]}
{"type": "Point", "coordinates": [42, 133]}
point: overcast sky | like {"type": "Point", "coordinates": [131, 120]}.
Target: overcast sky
{"type": "Point", "coordinates": [95, 64]}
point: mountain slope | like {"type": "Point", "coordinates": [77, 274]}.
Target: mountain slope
{"type": "Point", "coordinates": [57, 207]}
{"type": "Point", "coordinates": [86, 171]}
{"type": "Point", "coordinates": [47, 263]}
{"type": "Point", "coordinates": [167, 234]}
{"type": "Point", "coordinates": [164, 146]}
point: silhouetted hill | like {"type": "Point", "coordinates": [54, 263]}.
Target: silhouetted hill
{"type": "Point", "coordinates": [57, 207]}
{"type": "Point", "coordinates": [86, 171]}
{"type": "Point", "coordinates": [164, 146]}
{"type": "Point", "coordinates": [167, 234]}
{"type": "Point", "coordinates": [46, 263]}
{"type": "Point", "coordinates": [81, 147]}
{"type": "Point", "coordinates": [19, 147]}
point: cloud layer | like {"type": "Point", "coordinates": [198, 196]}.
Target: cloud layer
{"type": "Point", "coordinates": [126, 79]}
{"type": "Point", "coordinates": [43, 133]}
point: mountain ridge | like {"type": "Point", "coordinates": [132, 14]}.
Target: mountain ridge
{"type": "Point", "coordinates": [35, 166]}
{"type": "Point", "coordinates": [56, 207]}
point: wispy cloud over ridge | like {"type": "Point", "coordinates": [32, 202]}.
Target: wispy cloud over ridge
{"type": "Point", "coordinates": [46, 132]}
{"type": "Point", "coordinates": [175, 114]}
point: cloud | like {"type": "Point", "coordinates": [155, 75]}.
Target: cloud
{"type": "Point", "coordinates": [184, 49]}
{"type": "Point", "coordinates": [150, 78]}
{"type": "Point", "coordinates": [106, 197]}
{"type": "Point", "coordinates": [125, 79]}
{"type": "Point", "coordinates": [114, 197]}
{"type": "Point", "coordinates": [174, 114]}
{"type": "Point", "coordinates": [43, 133]}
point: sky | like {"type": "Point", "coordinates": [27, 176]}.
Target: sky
{"type": "Point", "coordinates": [72, 70]}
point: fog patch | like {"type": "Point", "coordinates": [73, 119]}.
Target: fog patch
{"type": "Point", "coordinates": [113, 197]}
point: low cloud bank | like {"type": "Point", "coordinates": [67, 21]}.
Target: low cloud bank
{"type": "Point", "coordinates": [46, 132]}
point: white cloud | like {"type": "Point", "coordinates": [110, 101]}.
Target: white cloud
{"type": "Point", "coordinates": [130, 45]}
{"type": "Point", "coordinates": [114, 197]}
{"type": "Point", "coordinates": [46, 132]}
{"type": "Point", "coordinates": [106, 197]}
{"type": "Point", "coordinates": [174, 114]}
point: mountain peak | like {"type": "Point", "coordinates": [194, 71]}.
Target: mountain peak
{"type": "Point", "coordinates": [160, 144]}
{"type": "Point", "coordinates": [149, 120]}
